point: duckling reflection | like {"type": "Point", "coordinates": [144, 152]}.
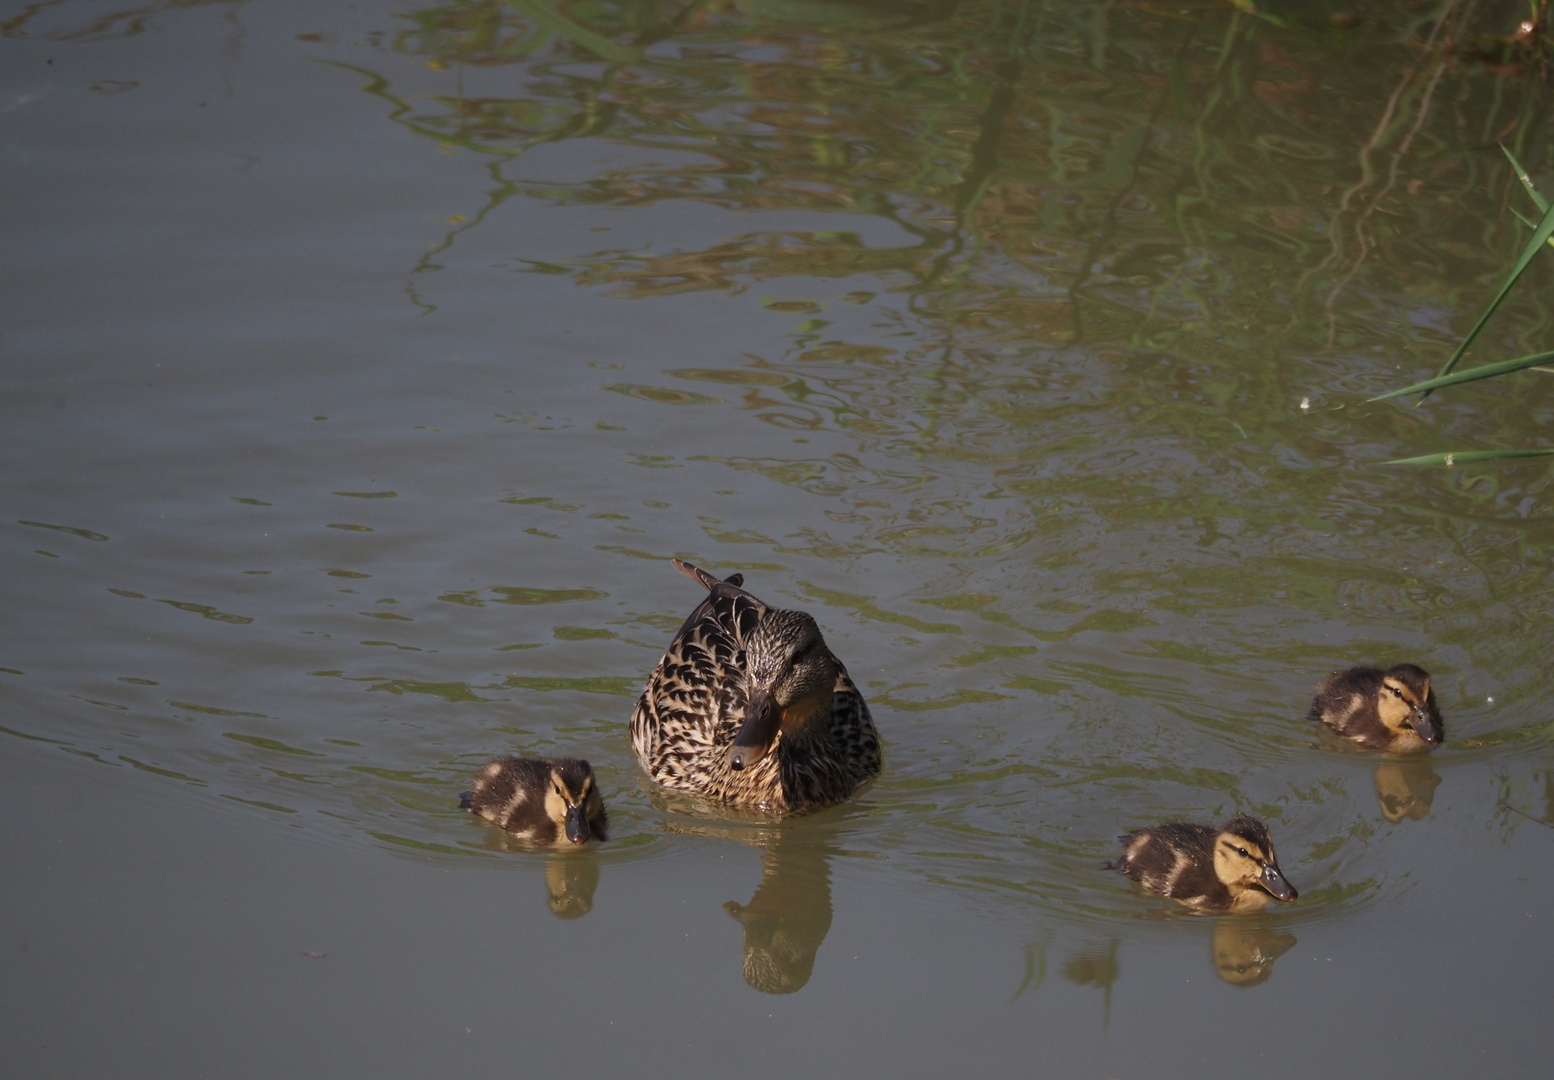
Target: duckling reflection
{"type": "Point", "coordinates": [1405, 789]}
{"type": "Point", "coordinates": [1244, 949]}
{"type": "Point", "coordinates": [571, 880]}
{"type": "Point", "coordinates": [787, 919]}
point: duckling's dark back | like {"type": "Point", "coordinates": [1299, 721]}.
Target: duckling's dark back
{"type": "Point", "coordinates": [510, 792]}
{"type": "Point", "coordinates": [1174, 859]}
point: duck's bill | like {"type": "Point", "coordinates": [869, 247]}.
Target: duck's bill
{"type": "Point", "coordinates": [756, 735]}
{"type": "Point", "coordinates": [1426, 724]}
{"type": "Point", "coordinates": [1277, 885]}
{"type": "Point", "coordinates": [577, 825]}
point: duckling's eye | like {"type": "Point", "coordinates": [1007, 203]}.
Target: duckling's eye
{"type": "Point", "coordinates": [1244, 853]}
{"type": "Point", "coordinates": [1396, 692]}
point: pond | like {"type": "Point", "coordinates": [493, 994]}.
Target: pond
{"type": "Point", "coordinates": [365, 365]}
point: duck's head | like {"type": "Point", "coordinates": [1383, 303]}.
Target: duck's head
{"type": "Point", "coordinates": [1406, 705]}
{"type": "Point", "coordinates": [1244, 859]}
{"type": "Point", "coordinates": [572, 799]}
{"type": "Point", "coordinates": [790, 677]}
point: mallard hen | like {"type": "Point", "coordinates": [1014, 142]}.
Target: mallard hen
{"type": "Point", "coordinates": [750, 707]}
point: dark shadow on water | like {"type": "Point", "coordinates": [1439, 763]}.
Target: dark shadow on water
{"type": "Point", "coordinates": [1405, 788]}
{"type": "Point", "coordinates": [1244, 948]}
{"type": "Point", "coordinates": [787, 919]}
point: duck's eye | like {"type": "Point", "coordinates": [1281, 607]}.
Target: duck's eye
{"type": "Point", "coordinates": [1396, 692]}
{"type": "Point", "coordinates": [1244, 853]}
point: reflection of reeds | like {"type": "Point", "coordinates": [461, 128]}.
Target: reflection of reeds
{"type": "Point", "coordinates": [1096, 967]}
{"type": "Point", "coordinates": [1426, 72]}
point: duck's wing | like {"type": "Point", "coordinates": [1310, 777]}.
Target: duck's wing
{"type": "Point", "coordinates": [695, 699]}
{"type": "Point", "coordinates": [853, 728]}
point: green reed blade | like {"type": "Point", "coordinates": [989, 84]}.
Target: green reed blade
{"type": "Point", "coordinates": [1539, 237]}
{"type": "Point", "coordinates": [1463, 457]}
{"type": "Point", "coordinates": [1484, 371]}
{"type": "Point", "coordinates": [1531, 224]}
{"type": "Point", "coordinates": [1521, 174]}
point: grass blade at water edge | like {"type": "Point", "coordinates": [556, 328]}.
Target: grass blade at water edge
{"type": "Point", "coordinates": [1540, 236]}
{"type": "Point", "coordinates": [1464, 457]}
{"type": "Point", "coordinates": [1521, 174]}
{"type": "Point", "coordinates": [1484, 371]}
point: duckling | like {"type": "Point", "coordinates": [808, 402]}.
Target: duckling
{"type": "Point", "coordinates": [1231, 868]}
{"type": "Point", "coordinates": [539, 800]}
{"type": "Point", "coordinates": [750, 707]}
{"type": "Point", "coordinates": [1381, 710]}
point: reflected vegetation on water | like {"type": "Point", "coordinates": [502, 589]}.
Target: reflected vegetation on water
{"type": "Point", "coordinates": [1055, 321]}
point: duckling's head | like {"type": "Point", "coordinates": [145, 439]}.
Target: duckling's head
{"type": "Point", "coordinates": [1244, 859]}
{"type": "Point", "coordinates": [790, 676]}
{"type": "Point", "coordinates": [572, 798]}
{"type": "Point", "coordinates": [1406, 705]}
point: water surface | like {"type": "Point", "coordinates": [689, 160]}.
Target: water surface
{"type": "Point", "coordinates": [363, 369]}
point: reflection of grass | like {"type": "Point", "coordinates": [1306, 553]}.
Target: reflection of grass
{"type": "Point", "coordinates": [865, 607]}
{"type": "Point", "coordinates": [448, 691]}
{"type": "Point", "coordinates": [948, 701]}
{"type": "Point", "coordinates": [269, 744]}
{"type": "Point", "coordinates": [615, 686]}
{"type": "Point", "coordinates": [421, 845]}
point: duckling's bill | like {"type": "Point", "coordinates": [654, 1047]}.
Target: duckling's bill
{"type": "Point", "coordinates": [1277, 884]}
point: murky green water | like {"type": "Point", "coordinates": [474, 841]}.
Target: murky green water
{"type": "Point", "coordinates": [364, 367]}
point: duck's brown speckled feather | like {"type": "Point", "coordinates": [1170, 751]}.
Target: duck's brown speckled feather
{"type": "Point", "coordinates": [695, 701]}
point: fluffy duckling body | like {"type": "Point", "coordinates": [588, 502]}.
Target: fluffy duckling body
{"type": "Point", "coordinates": [1231, 868]}
{"type": "Point", "coordinates": [750, 707]}
{"type": "Point", "coordinates": [538, 800]}
{"type": "Point", "coordinates": [1381, 710]}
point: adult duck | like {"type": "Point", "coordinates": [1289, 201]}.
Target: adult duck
{"type": "Point", "coordinates": [749, 707]}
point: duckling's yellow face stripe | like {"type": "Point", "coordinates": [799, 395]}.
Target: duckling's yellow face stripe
{"type": "Point", "coordinates": [1237, 860]}
{"type": "Point", "coordinates": [555, 800]}
{"type": "Point", "coordinates": [1396, 704]}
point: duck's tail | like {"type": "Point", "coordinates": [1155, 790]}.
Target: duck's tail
{"type": "Point", "coordinates": [704, 579]}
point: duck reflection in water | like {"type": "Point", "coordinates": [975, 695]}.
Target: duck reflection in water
{"type": "Point", "coordinates": [571, 873]}
{"type": "Point", "coordinates": [1245, 948]}
{"type": "Point", "coordinates": [571, 879]}
{"type": "Point", "coordinates": [1405, 788]}
{"type": "Point", "coordinates": [787, 919]}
